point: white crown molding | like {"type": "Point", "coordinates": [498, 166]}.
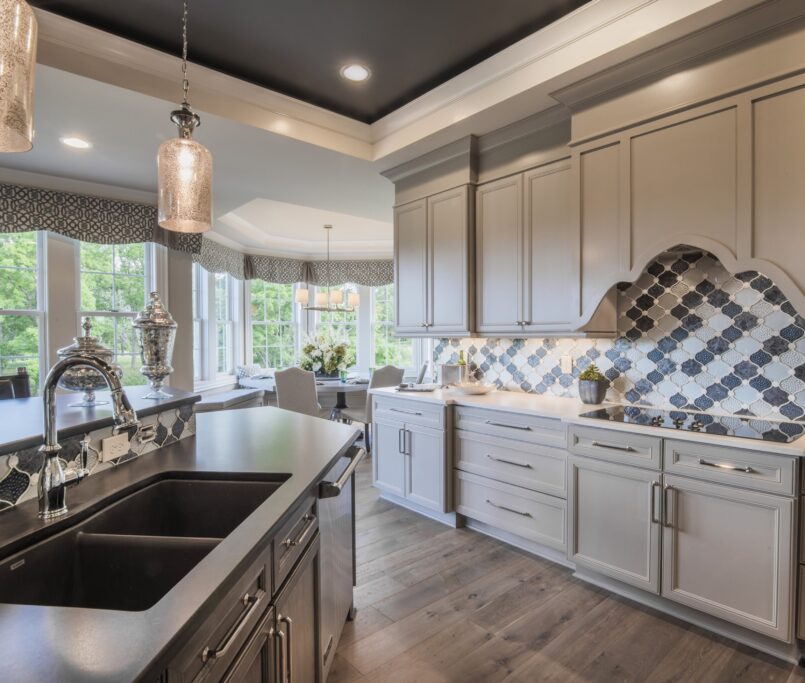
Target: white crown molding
{"type": "Point", "coordinates": [523, 128]}
{"type": "Point", "coordinates": [61, 184]}
{"type": "Point", "coordinates": [465, 147]}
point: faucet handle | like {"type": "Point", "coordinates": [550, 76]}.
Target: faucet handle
{"type": "Point", "coordinates": [83, 458]}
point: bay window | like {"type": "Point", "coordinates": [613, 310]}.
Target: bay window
{"type": "Point", "coordinates": [388, 349]}
{"type": "Point", "coordinates": [341, 325]}
{"type": "Point", "coordinates": [273, 324]}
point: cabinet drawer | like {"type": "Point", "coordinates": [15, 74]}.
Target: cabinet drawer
{"type": "Point", "coordinates": [539, 430]}
{"type": "Point", "coordinates": [528, 514]}
{"type": "Point", "coordinates": [292, 539]}
{"type": "Point", "coordinates": [410, 412]}
{"type": "Point", "coordinates": [532, 466]}
{"type": "Point", "coordinates": [733, 466]}
{"type": "Point", "coordinates": [638, 450]}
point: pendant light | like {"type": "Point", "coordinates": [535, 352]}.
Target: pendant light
{"type": "Point", "coordinates": [331, 301]}
{"type": "Point", "coordinates": [185, 166]}
{"type": "Point", "coordinates": [17, 60]}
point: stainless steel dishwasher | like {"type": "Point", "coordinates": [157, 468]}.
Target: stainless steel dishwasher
{"type": "Point", "coordinates": [337, 573]}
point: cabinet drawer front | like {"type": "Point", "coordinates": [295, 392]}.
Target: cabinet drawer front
{"type": "Point", "coordinates": [535, 467]}
{"type": "Point", "coordinates": [637, 450]}
{"type": "Point", "coordinates": [733, 466]}
{"type": "Point", "coordinates": [539, 430]}
{"type": "Point", "coordinates": [292, 539]}
{"type": "Point", "coordinates": [530, 515]}
{"type": "Point", "coordinates": [408, 411]}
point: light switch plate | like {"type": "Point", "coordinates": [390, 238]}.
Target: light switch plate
{"type": "Point", "coordinates": [114, 446]}
{"type": "Point", "coordinates": [566, 364]}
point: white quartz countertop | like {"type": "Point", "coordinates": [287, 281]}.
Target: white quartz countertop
{"type": "Point", "coordinates": [569, 410]}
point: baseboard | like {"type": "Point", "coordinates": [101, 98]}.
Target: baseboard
{"type": "Point", "coordinates": [448, 518]}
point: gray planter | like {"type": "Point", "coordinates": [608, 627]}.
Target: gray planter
{"type": "Point", "coordinates": [593, 391]}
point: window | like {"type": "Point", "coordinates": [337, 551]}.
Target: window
{"type": "Point", "coordinates": [388, 349]}
{"type": "Point", "coordinates": [341, 325]}
{"type": "Point", "coordinates": [273, 324]}
{"type": "Point", "coordinates": [21, 310]}
{"type": "Point", "coordinates": [224, 323]}
{"type": "Point", "coordinates": [199, 307]}
{"type": "Point", "coordinates": [114, 283]}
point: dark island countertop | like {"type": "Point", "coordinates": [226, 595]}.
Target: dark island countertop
{"type": "Point", "coordinates": [22, 421]}
{"type": "Point", "coordinates": [69, 644]}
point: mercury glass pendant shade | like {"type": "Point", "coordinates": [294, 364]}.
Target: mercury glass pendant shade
{"type": "Point", "coordinates": [18, 32]}
{"type": "Point", "coordinates": [185, 185]}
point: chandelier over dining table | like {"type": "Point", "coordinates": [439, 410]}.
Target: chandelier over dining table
{"type": "Point", "coordinates": [331, 300]}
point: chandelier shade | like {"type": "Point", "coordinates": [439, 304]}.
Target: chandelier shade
{"type": "Point", "coordinates": [18, 31]}
{"type": "Point", "coordinates": [184, 169]}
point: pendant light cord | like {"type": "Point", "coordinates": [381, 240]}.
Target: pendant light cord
{"type": "Point", "coordinates": [185, 81]}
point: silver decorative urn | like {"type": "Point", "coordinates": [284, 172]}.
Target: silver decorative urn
{"type": "Point", "coordinates": [84, 378]}
{"type": "Point", "coordinates": [156, 333]}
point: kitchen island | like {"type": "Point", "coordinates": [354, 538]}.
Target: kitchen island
{"type": "Point", "coordinates": [42, 642]}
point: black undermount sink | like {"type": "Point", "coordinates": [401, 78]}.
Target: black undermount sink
{"type": "Point", "coordinates": [131, 553]}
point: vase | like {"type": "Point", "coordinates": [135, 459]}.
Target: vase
{"type": "Point", "coordinates": [321, 374]}
{"type": "Point", "coordinates": [593, 391]}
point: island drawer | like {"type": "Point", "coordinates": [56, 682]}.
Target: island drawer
{"type": "Point", "coordinates": [532, 466]}
{"type": "Point", "coordinates": [409, 411]}
{"type": "Point", "coordinates": [736, 467]}
{"type": "Point", "coordinates": [534, 516]}
{"type": "Point", "coordinates": [292, 539]}
{"type": "Point", "coordinates": [530, 428]}
{"type": "Point", "coordinates": [627, 448]}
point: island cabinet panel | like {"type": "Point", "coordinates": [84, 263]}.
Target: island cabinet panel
{"type": "Point", "coordinates": [728, 552]}
{"type": "Point", "coordinates": [614, 521]}
{"type": "Point", "coordinates": [410, 267]}
{"type": "Point", "coordinates": [257, 661]}
{"type": "Point", "coordinates": [683, 181]}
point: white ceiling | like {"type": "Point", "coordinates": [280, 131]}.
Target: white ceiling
{"type": "Point", "coordinates": [272, 193]}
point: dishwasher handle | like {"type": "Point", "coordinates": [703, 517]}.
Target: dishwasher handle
{"type": "Point", "coordinates": [328, 489]}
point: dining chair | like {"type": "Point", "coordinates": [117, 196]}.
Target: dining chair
{"type": "Point", "coordinates": [387, 376]}
{"type": "Point", "coordinates": [20, 384]}
{"type": "Point", "coordinates": [6, 389]}
{"type": "Point", "coordinates": [296, 391]}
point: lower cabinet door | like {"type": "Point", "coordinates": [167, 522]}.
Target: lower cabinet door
{"type": "Point", "coordinates": [728, 552]}
{"type": "Point", "coordinates": [388, 459]}
{"type": "Point", "coordinates": [297, 621]}
{"type": "Point", "coordinates": [614, 521]}
{"type": "Point", "coordinates": [425, 477]}
{"type": "Point", "coordinates": [256, 663]}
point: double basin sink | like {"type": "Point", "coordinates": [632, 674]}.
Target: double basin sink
{"type": "Point", "coordinates": [132, 552]}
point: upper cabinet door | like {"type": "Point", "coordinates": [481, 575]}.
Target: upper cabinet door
{"type": "Point", "coordinates": [410, 267]}
{"type": "Point", "coordinates": [551, 250]}
{"type": "Point", "coordinates": [449, 302]}
{"type": "Point", "coordinates": [499, 240]}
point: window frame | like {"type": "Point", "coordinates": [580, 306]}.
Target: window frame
{"type": "Point", "coordinates": [297, 316]}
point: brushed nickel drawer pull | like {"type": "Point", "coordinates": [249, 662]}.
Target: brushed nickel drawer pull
{"type": "Point", "coordinates": [289, 658]}
{"type": "Point", "coordinates": [654, 519]}
{"type": "Point", "coordinates": [507, 509]}
{"type": "Point", "coordinates": [509, 462]}
{"type": "Point", "coordinates": [281, 664]}
{"type": "Point", "coordinates": [614, 447]}
{"type": "Point", "coordinates": [310, 520]}
{"type": "Point", "coordinates": [724, 466]}
{"type": "Point", "coordinates": [524, 428]}
{"type": "Point", "coordinates": [404, 411]}
{"type": "Point", "coordinates": [250, 602]}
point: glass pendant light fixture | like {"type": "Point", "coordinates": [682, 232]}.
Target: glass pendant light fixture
{"type": "Point", "coordinates": [18, 31]}
{"type": "Point", "coordinates": [185, 166]}
{"type": "Point", "coordinates": [331, 301]}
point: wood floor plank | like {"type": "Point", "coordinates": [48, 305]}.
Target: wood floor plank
{"type": "Point", "coordinates": [367, 621]}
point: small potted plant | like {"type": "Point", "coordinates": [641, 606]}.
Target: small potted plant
{"type": "Point", "coordinates": [592, 385]}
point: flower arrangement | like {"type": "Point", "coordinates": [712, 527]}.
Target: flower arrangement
{"type": "Point", "coordinates": [325, 355]}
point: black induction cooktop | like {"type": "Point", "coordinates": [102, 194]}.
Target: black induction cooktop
{"type": "Point", "coordinates": [725, 425]}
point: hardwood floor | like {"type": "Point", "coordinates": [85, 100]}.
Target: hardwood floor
{"type": "Point", "coordinates": [436, 605]}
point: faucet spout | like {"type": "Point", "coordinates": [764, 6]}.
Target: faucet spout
{"type": "Point", "coordinates": [53, 480]}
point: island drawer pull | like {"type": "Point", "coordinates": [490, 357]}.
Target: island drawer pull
{"type": "Point", "coordinates": [251, 603]}
{"type": "Point", "coordinates": [614, 447]}
{"type": "Point", "coordinates": [328, 489]}
{"type": "Point", "coordinates": [406, 412]}
{"type": "Point", "coordinates": [289, 659]}
{"type": "Point", "coordinates": [509, 462]}
{"type": "Point", "coordinates": [507, 509]}
{"type": "Point", "coordinates": [725, 466]}
{"type": "Point", "coordinates": [281, 664]}
{"type": "Point", "coordinates": [310, 521]}
{"type": "Point", "coordinates": [524, 428]}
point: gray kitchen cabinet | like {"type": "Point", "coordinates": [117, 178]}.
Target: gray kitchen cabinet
{"type": "Point", "coordinates": [388, 457]}
{"type": "Point", "coordinates": [425, 480]}
{"type": "Point", "coordinates": [728, 552]}
{"type": "Point", "coordinates": [614, 521]}
{"type": "Point", "coordinates": [257, 662]}
{"type": "Point", "coordinates": [432, 263]}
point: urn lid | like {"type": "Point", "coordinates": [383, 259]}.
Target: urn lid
{"type": "Point", "coordinates": [86, 345]}
{"type": "Point", "coordinates": [154, 315]}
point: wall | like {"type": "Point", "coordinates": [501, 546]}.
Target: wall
{"type": "Point", "coordinates": [692, 336]}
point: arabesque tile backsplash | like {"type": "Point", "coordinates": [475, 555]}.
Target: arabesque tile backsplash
{"type": "Point", "coordinates": [691, 336]}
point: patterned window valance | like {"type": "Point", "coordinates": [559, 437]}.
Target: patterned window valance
{"type": "Point", "coordinates": [86, 218]}
{"type": "Point", "coordinates": [275, 269]}
{"type": "Point", "coordinates": [368, 273]}
{"type": "Point", "coordinates": [216, 258]}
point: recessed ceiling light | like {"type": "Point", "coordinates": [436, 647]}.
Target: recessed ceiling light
{"type": "Point", "coordinates": [75, 143]}
{"type": "Point", "coordinates": [355, 72]}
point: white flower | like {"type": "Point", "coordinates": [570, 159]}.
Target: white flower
{"type": "Point", "coordinates": [316, 367]}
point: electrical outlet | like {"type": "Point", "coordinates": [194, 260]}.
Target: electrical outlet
{"type": "Point", "coordinates": [114, 446]}
{"type": "Point", "coordinates": [566, 364]}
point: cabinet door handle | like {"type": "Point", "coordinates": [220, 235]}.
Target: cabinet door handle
{"type": "Point", "coordinates": [407, 441]}
{"type": "Point", "coordinates": [665, 507]}
{"type": "Point", "coordinates": [281, 664]}
{"type": "Point", "coordinates": [524, 428]}
{"type": "Point", "coordinates": [400, 440]}
{"type": "Point", "coordinates": [251, 603]}
{"type": "Point", "coordinates": [329, 489]}
{"type": "Point", "coordinates": [404, 411]}
{"type": "Point", "coordinates": [289, 659]}
{"type": "Point", "coordinates": [725, 466]}
{"type": "Point", "coordinates": [507, 509]}
{"type": "Point", "coordinates": [509, 462]}
{"type": "Point", "coordinates": [653, 489]}
{"type": "Point", "coordinates": [613, 447]}
{"type": "Point", "coordinates": [310, 520]}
